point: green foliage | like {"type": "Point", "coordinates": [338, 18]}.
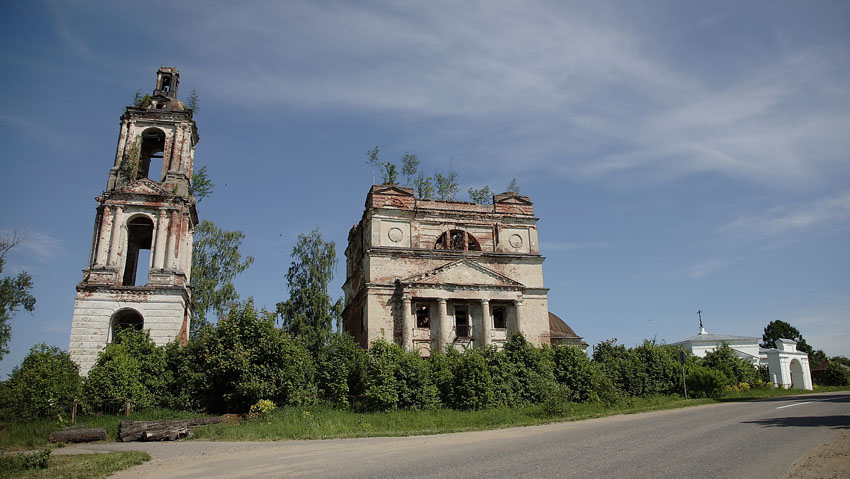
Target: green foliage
{"type": "Point", "coordinates": [390, 174]}
{"type": "Point", "coordinates": [309, 312]}
{"type": "Point", "coordinates": [424, 186]}
{"type": "Point", "coordinates": [513, 187]}
{"type": "Point", "coordinates": [409, 167]}
{"type": "Point", "coordinates": [142, 101]}
{"type": "Point", "coordinates": [533, 369]}
{"type": "Point", "coordinates": [447, 186]}
{"type": "Point", "coordinates": [202, 186]}
{"type": "Point", "coordinates": [836, 374]}
{"type": "Point", "coordinates": [661, 366]}
{"type": "Point", "coordinates": [705, 382]}
{"type": "Point", "coordinates": [132, 160]}
{"type": "Point", "coordinates": [397, 380]}
{"type": "Point", "coordinates": [216, 260]}
{"type": "Point", "coordinates": [23, 462]}
{"type": "Point", "coordinates": [15, 293]}
{"type": "Point", "coordinates": [373, 160]}
{"type": "Point", "coordinates": [192, 102]}
{"type": "Point", "coordinates": [188, 378]}
{"type": "Point", "coordinates": [622, 367]}
{"type": "Point", "coordinates": [781, 330]}
{"type": "Point", "coordinates": [556, 400]}
{"type": "Point", "coordinates": [115, 379]}
{"type": "Point", "coordinates": [245, 359]}
{"type": "Point", "coordinates": [574, 370]}
{"type": "Point", "coordinates": [735, 369]}
{"type": "Point", "coordinates": [45, 383]}
{"type": "Point", "coordinates": [341, 370]}
{"type": "Point", "coordinates": [481, 196]}
{"type": "Point", "coordinates": [473, 385]}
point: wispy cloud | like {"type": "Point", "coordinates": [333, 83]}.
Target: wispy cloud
{"type": "Point", "coordinates": [565, 246]}
{"type": "Point", "coordinates": [36, 245]}
{"type": "Point", "coordinates": [833, 211]}
{"type": "Point", "coordinates": [707, 267]}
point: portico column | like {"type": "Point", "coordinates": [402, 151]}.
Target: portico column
{"type": "Point", "coordinates": [171, 249]}
{"type": "Point", "coordinates": [518, 309]}
{"type": "Point", "coordinates": [407, 323]}
{"type": "Point", "coordinates": [485, 323]}
{"type": "Point", "coordinates": [444, 329]}
{"type": "Point", "coordinates": [161, 235]}
{"type": "Point", "coordinates": [113, 237]}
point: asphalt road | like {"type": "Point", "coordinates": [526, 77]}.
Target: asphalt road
{"type": "Point", "coordinates": [741, 439]}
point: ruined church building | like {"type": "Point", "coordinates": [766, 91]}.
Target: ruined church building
{"type": "Point", "coordinates": [421, 273]}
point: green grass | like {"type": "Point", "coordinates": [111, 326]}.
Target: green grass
{"type": "Point", "coordinates": [319, 422]}
{"type": "Point", "coordinates": [15, 436]}
{"type": "Point", "coordinates": [89, 466]}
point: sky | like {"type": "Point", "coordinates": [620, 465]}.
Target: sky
{"type": "Point", "coordinates": [681, 155]}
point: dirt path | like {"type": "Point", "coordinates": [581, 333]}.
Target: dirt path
{"type": "Point", "coordinates": [830, 460]}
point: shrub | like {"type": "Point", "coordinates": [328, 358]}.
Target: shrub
{"type": "Point", "coordinates": [622, 367]}
{"type": "Point", "coordinates": [532, 367]}
{"type": "Point", "coordinates": [261, 409]}
{"type": "Point", "coordinates": [556, 400]}
{"type": "Point", "coordinates": [245, 359]}
{"type": "Point", "coordinates": [660, 366]}
{"type": "Point", "coordinates": [416, 390]}
{"type": "Point", "coordinates": [115, 379]}
{"type": "Point", "coordinates": [20, 462]}
{"type": "Point", "coordinates": [473, 386]}
{"type": "Point", "coordinates": [705, 382]}
{"type": "Point", "coordinates": [735, 369]}
{"type": "Point", "coordinates": [381, 384]}
{"type": "Point", "coordinates": [341, 370]}
{"type": "Point", "coordinates": [188, 384]}
{"type": "Point", "coordinates": [45, 384]}
{"type": "Point", "coordinates": [836, 375]}
{"type": "Point", "coordinates": [574, 370]}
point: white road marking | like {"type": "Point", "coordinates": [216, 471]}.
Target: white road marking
{"type": "Point", "coordinates": [795, 404]}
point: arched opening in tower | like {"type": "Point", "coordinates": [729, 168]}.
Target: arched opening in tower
{"type": "Point", "coordinates": [151, 153]}
{"type": "Point", "coordinates": [126, 318]}
{"type": "Point", "coordinates": [139, 240]}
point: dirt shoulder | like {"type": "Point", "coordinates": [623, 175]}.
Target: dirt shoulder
{"type": "Point", "coordinates": [830, 460]}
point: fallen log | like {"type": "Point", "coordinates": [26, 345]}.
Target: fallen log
{"type": "Point", "coordinates": [169, 430]}
{"type": "Point", "coordinates": [79, 435]}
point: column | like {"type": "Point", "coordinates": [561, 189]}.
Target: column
{"type": "Point", "coordinates": [161, 238]}
{"type": "Point", "coordinates": [518, 311]}
{"type": "Point", "coordinates": [407, 323]}
{"type": "Point", "coordinates": [444, 329]}
{"type": "Point", "coordinates": [102, 238]}
{"type": "Point", "coordinates": [171, 249]}
{"type": "Point", "coordinates": [114, 240]}
{"type": "Point", "coordinates": [486, 323]}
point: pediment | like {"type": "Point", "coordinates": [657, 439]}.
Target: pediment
{"type": "Point", "coordinates": [512, 199]}
{"type": "Point", "coordinates": [392, 190]}
{"type": "Point", "coordinates": [463, 272]}
{"type": "Point", "coordinates": [144, 186]}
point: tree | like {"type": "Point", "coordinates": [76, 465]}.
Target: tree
{"type": "Point", "coordinates": [192, 102]}
{"type": "Point", "coordinates": [409, 166]}
{"type": "Point", "coordinates": [424, 186]}
{"type": "Point", "coordinates": [309, 312]}
{"type": "Point", "coordinates": [390, 174]}
{"type": "Point", "coordinates": [45, 384]}
{"type": "Point", "coordinates": [447, 186]}
{"type": "Point", "coordinates": [482, 196]}
{"type": "Point", "coordinates": [513, 187]}
{"type": "Point", "coordinates": [216, 260]}
{"type": "Point", "coordinates": [201, 186]}
{"type": "Point", "coordinates": [781, 330]}
{"type": "Point", "coordinates": [373, 160]}
{"type": "Point", "coordinates": [15, 293]}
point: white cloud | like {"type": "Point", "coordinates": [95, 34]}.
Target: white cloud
{"type": "Point", "coordinates": [38, 245]}
{"type": "Point", "coordinates": [707, 267]}
{"type": "Point", "coordinates": [833, 211]}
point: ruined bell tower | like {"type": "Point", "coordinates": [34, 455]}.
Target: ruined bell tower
{"type": "Point", "coordinates": [141, 251]}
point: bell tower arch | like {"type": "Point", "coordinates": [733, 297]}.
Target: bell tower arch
{"type": "Point", "coordinates": [141, 250]}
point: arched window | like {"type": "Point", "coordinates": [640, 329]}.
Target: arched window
{"type": "Point", "coordinates": [457, 240]}
{"type": "Point", "coordinates": [150, 155]}
{"type": "Point", "coordinates": [126, 318]}
{"type": "Point", "coordinates": [139, 239]}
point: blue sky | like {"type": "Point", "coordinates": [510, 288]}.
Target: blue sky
{"type": "Point", "coordinates": [680, 155]}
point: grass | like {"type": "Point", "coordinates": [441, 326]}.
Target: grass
{"type": "Point", "coordinates": [90, 466]}
{"type": "Point", "coordinates": [15, 436]}
{"type": "Point", "coordinates": [322, 422]}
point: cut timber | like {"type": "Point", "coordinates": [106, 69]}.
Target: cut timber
{"type": "Point", "coordinates": [79, 435]}
{"type": "Point", "coordinates": [161, 430]}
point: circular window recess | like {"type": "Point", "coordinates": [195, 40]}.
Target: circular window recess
{"type": "Point", "coordinates": [515, 241]}
{"type": "Point", "coordinates": [395, 235]}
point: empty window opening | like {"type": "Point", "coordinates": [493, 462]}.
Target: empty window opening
{"type": "Point", "coordinates": [423, 316]}
{"type": "Point", "coordinates": [139, 237]}
{"type": "Point", "coordinates": [457, 240]}
{"type": "Point", "coordinates": [500, 317]}
{"type": "Point", "coordinates": [127, 318]}
{"type": "Point", "coordinates": [150, 155]}
{"type": "Point", "coordinates": [166, 83]}
{"type": "Point", "coordinates": [462, 327]}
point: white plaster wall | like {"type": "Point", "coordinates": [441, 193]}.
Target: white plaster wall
{"type": "Point", "coordinates": [90, 328]}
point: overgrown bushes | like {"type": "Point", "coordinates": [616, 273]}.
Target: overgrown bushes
{"type": "Point", "coordinates": [44, 384]}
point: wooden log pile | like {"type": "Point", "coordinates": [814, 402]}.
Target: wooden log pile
{"type": "Point", "coordinates": [79, 435]}
{"type": "Point", "coordinates": [170, 430]}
